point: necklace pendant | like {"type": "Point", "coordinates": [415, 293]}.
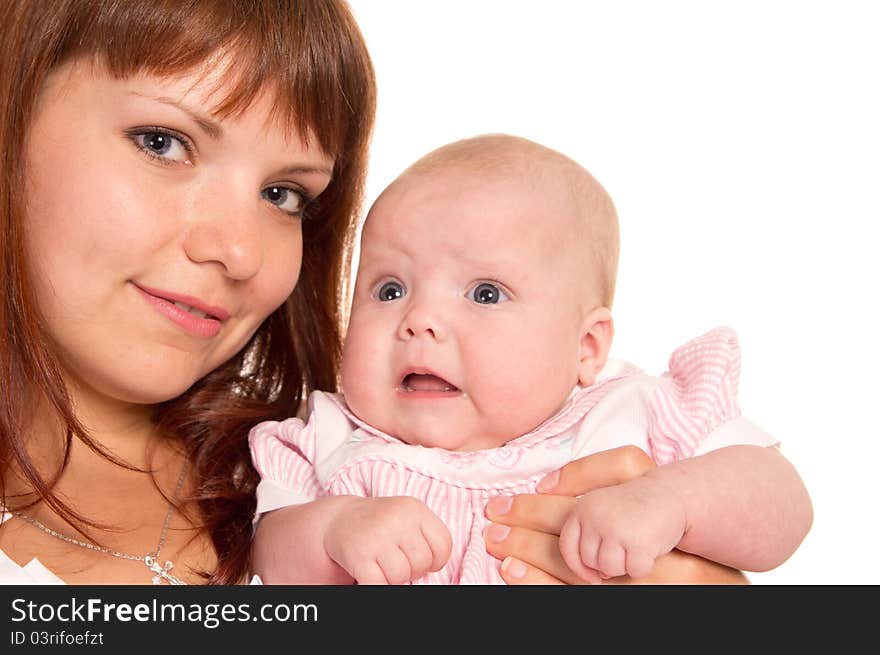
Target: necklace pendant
{"type": "Point", "coordinates": [162, 572]}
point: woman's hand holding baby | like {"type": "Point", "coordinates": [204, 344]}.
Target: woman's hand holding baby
{"type": "Point", "coordinates": [526, 528]}
{"type": "Point", "coordinates": [622, 529]}
{"type": "Point", "coordinates": [390, 540]}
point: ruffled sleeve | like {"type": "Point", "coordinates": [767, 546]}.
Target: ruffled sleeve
{"type": "Point", "coordinates": [696, 395]}
{"type": "Point", "coordinates": [283, 453]}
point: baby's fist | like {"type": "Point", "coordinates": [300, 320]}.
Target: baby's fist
{"type": "Point", "coordinates": [391, 540]}
{"type": "Point", "coordinates": [622, 530]}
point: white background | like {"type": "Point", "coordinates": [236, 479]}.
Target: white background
{"type": "Point", "coordinates": [741, 144]}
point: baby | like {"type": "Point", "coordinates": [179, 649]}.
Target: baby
{"type": "Point", "coordinates": [476, 361]}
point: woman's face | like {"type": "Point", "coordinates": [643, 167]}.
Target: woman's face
{"type": "Point", "coordinates": [160, 237]}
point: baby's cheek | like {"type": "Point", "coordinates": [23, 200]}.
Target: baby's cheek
{"type": "Point", "coordinates": [532, 391]}
{"type": "Point", "coordinates": [509, 409]}
{"type": "Point", "coordinates": [360, 400]}
{"type": "Point", "coordinates": [349, 379]}
{"type": "Point", "coordinates": [359, 379]}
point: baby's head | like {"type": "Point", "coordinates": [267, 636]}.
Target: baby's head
{"type": "Point", "coordinates": [482, 298]}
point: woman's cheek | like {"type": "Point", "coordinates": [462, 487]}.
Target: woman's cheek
{"type": "Point", "coordinates": [281, 269]}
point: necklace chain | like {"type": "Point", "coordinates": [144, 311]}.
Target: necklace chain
{"type": "Point", "coordinates": [150, 560]}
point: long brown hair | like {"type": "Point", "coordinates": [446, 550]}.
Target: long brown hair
{"type": "Point", "coordinates": [311, 54]}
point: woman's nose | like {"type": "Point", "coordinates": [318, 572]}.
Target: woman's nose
{"type": "Point", "coordinates": [227, 230]}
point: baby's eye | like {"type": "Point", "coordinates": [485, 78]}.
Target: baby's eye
{"type": "Point", "coordinates": [486, 293]}
{"type": "Point", "coordinates": [162, 146]}
{"type": "Point", "coordinates": [390, 291]}
{"type": "Point", "coordinates": [289, 200]}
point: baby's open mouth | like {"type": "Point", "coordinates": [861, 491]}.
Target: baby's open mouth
{"type": "Point", "coordinates": [426, 382]}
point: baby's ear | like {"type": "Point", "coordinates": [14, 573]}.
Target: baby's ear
{"type": "Point", "coordinates": [596, 335]}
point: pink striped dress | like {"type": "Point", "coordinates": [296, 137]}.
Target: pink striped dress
{"type": "Point", "coordinates": [687, 411]}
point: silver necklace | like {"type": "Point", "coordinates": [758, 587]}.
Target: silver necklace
{"type": "Point", "coordinates": [150, 560]}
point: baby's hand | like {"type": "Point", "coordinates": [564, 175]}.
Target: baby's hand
{"type": "Point", "coordinates": [388, 540]}
{"type": "Point", "coordinates": [622, 529]}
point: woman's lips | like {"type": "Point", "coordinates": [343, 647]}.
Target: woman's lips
{"type": "Point", "coordinates": [191, 317]}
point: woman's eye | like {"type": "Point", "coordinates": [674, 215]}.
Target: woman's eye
{"type": "Point", "coordinates": [162, 145]}
{"type": "Point", "coordinates": [286, 199]}
{"type": "Point", "coordinates": [486, 293]}
{"type": "Point", "coordinates": [390, 291]}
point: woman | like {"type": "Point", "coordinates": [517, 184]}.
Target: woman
{"type": "Point", "coordinates": [180, 184]}
{"type": "Point", "coordinates": [162, 163]}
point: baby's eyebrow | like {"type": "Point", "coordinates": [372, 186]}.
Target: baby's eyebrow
{"type": "Point", "coordinates": [208, 125]}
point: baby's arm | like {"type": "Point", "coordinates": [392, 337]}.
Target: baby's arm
{"type": "Point", "coordinates": [307, 537]}
{"type": "Point", "coordinates": [743, 506]}
{"type": "Point", "coordinates": [345, 539]}
{"type": "Point", "coordinates": [288, 545]}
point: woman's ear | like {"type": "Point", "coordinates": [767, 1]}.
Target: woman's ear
{"type": "Point", "coordinates": [597, 333]}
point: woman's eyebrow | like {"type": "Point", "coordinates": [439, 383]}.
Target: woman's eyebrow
{"type": "Point", "coordinates": [307, 170]}
{"type": "Point", "coordinates": [209, 126]}
{"type": "Point", "coordinates": [213, 129]}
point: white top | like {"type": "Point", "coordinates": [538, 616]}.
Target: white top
{"type": "Point", "coordinates": [31, 573]}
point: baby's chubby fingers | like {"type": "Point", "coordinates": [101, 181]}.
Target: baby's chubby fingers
{"type": "Point", "coordinates": [438, 540]}
{"type": "Point", "coordinates": [368, 572]}
{"type": "Point", "coordinates": [639, 564]}
{"type": "Point", "coordinates": [580, 551]}
{"type": "Point", "coordinates": [395, 566]}
{"type": "Point", "coordinates": [612, 559]}
{"type": "Point", "coordinates": [419, 554]}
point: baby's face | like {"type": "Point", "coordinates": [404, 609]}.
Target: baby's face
{"type": "Point", "coordinates": [467, 312]}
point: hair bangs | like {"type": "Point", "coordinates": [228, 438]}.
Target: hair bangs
{"type": "Point", "coordinates": [291, 49]}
